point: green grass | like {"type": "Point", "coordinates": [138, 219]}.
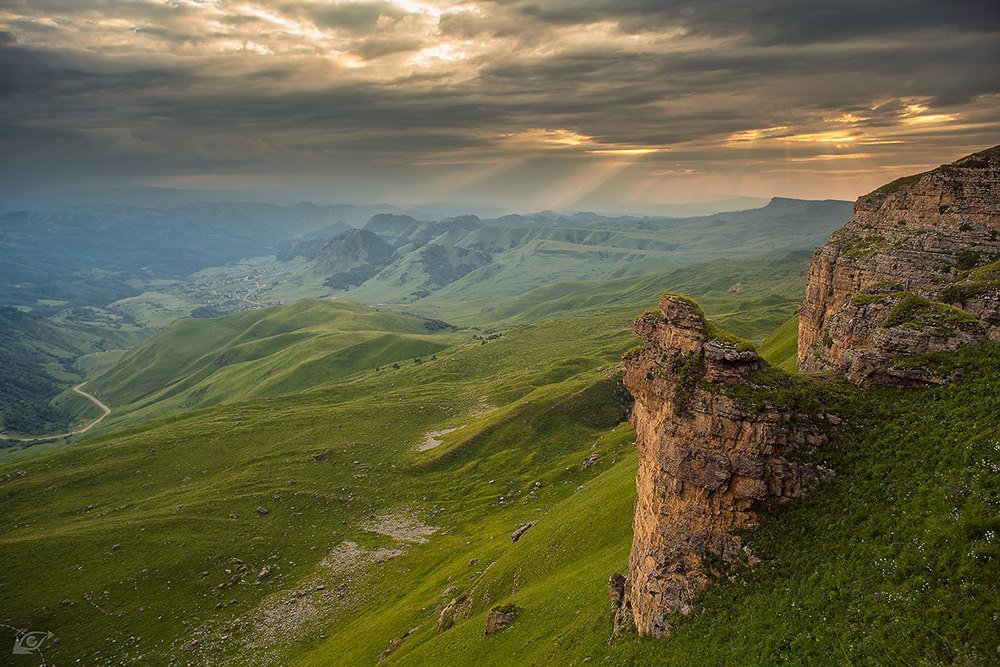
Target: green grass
{"type": "Point", "coordinates": [974, 283]}
{"type": "Point", "coordinates": [772, 287]}
{"type": "Point", "coordinates": [900, 183]}
{"type": "Point", "coordinates": [163, 490]}
{"type": "Point", "coordinates": [531, 403]}
{"type": "Point", "coordinates": [893, 562]}
{"type": "Point", "coordinates": [718, 334]}
{"type": "Point", "coordinates": [916, 312]}
{"type": "Point", "coordinates": [780, 348]}
{"type": "Point", "coordinates": [864, 247]}
{"type": "Point", "coordinates": [38, 363]}
{"type": "Point", "coordinates": [282, 350]}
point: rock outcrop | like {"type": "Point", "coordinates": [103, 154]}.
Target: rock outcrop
{"type": "Point", "coordinates": [521, 530]}
{"type": "Point", "coordinates": [499, 618]}
{"type": "Point", "coordinates": [707, 460]}
{"type": "Point", "coordinates": [621, 607]}
{"type": "Point", "coordinates": [914, 271]}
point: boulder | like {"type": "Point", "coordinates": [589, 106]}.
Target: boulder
{"type": "Point", "coordinates": [499, 618]}
{"type": "Point", "coordinates": [521, 530]}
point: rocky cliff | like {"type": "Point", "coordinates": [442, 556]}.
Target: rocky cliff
{"type": "Point", "coordinates": [721, 435]}
{"type": "Point", "coordinates": [914, 271]}
{"type": "Point", "coordinates": [709, 458]}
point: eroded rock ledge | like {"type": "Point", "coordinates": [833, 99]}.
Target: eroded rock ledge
{"type": "Point", "coordinates": [707, 461]}
{"type": "Point", "coordinates": [915, 271]}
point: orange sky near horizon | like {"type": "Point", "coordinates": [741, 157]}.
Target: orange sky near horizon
{"type": "Point", "coordinates": [571, 105]}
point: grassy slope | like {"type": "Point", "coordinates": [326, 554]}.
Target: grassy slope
{"type": "Point", "coordinates": [893, 563]}
{"type": "Point", "coordinates": [163, 491]}
{"type": "Point", "coordinates": [513, 272]}
{"type": "Point", "coordinates": [780, 347]}
{"type": "Point", "coordinates": [902, 533]}
{"type": "Point", "coordinates": [38, 361]}
{"type": "Point", "coordinates": [746, 297]}
{"type": "Point", "coordinates": [187, 474]}
{"type": "Point", "coordinates": [261, 353]}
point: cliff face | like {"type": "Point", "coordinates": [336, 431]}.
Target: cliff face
{"type": "Point", "coordinates": [914, 271]}
{"type": "Point", "coordinates": [917, 270]}
{"type": "Point", "coordinates": [707, 463]}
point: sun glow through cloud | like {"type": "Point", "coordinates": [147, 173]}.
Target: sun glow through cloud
{"type": "Point", "coordinates": [450, 89]}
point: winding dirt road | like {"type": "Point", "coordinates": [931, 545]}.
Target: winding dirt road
{"type": "Point", "coordinates": [257, 287]}
{"type": "Point", "coordinates": [105, 411]}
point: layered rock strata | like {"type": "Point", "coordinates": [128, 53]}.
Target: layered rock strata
{"type": "Point", "coordinates": [707, 462]}
{"type": "Point", "coordinates": [914, 271]}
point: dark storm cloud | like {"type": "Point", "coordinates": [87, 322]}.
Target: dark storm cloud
{"type": "Point", "coordinates": [777, 21]}
{"type": "Point", "coordinates": [283, 86]}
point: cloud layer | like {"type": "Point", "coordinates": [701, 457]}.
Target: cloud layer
{"type": "Point", "coordinates": [563, 103]}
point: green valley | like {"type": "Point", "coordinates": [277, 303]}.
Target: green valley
{"type": "Point", "coordinates": [109, 277]}
{"type": "Point", "coordinates": [264, 495]}
{"type": "Point", "coordinates": [439, 333]}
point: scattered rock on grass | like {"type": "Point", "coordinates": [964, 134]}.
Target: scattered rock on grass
{"type": "Point", "coordinates": [521, 530]}
{"type": "Point", "coordinates": [396, 643]}
{"type": "Point", "coordinates": [447, 617]}
{"type": "Point", "coordinates": [499, 618]}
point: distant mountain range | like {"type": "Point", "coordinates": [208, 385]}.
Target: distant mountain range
{"type": "Point", "coordinates": [110, 275]}
{"type": "Point", "coordinates": [94, 256]}
{"type": "Point", "coordinates": [474, 261]}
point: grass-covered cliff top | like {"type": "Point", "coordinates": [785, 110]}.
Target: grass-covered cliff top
{"type": "Point", "coordinates": [977, 160]}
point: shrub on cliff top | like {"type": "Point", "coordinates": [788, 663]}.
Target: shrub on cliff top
{"type": "Point", "coordinates": [973, 283]}
{"type": "Point", "coordinates": [717, 333]}
{"type": "Point", "coordinates": [691, 302]}
{"type": "Point", "coordinates": [916, 312]}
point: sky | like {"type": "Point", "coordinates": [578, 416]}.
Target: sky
{"type": "Point", "coordinates": [605, 105]}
